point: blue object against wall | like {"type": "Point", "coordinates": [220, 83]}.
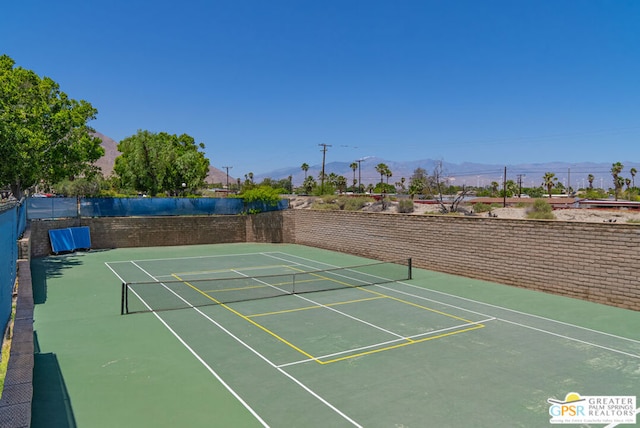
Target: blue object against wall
{"type": "Point", "coordinates": [70, 239]}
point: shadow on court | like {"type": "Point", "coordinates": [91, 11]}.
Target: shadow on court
{"type": "Point", "coordinates": [51, 405]}
{"type": "Point", "coordinates": [51, 267]}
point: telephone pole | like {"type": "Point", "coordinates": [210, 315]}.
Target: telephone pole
{"type": "Point", "coordinates": [227, 168]}
{"type": "Point", "coordinates": [520, 184]}
{"type": "Point", "coordinates": [324, 154]}
{"type": "Point", "coordinates": [504, 188]}
{"type": "Point", "coordinates": [359, 175]}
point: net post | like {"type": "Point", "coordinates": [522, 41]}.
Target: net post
{"type": "Point", "coordinates": [124, 299]}
{"type": "Point", "coordinates": [410, 268]}
{"type": "Point", "coordinates": [122, 294]}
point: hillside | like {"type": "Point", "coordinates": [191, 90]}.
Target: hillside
{"type": "Point", "coordinates": [111, 152]}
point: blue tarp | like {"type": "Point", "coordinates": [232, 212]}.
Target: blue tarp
{"type": "Point", "coordinates": [11, 227]}
{"type": "Point", "coordinates": [42, 208]}
{"type": "Point", "coordinates": [122, 207]}
{"type": "Point", "coordinates": [70, 239]}
{"type": "Point", "coordinates": [51, 208]}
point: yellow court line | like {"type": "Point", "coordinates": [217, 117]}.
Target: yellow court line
{"type": "Point", "coordinates": [364, 288]}
{"type": "Point", "coordinates": [249, 287]}
{"type": "Point", "coordinates": [285, 311]}
{"type": "Point", "coordinates": [261, 327]}
{"type": "Point", "coordinates": [232, 270]}
{"type": "Point", "coordinates": [379, 295]}
{"type": "Point", "coordinates": [399, 345]}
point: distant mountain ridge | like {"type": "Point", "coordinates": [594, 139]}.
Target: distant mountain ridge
{"type": "Point", "coordinates": [111, 152]}
{"type": "Point", "coordinates": [468, 173]}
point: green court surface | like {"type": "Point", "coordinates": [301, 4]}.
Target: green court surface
{"type": "Point", "coordinates": [380, 350]}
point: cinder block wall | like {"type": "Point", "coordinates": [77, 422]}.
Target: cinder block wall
{"type": "Point", "coordinates": [120, 232]}
{"type": "Point", "coordinates": [591, 261]}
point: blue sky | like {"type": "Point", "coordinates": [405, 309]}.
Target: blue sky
{"type": "Point", "coordinates": [263, 83]}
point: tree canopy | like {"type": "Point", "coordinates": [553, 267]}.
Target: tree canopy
{"type": "Point", "coordinates": [44, 135]}
{"type": "Point", "coordinates": [160, 162]}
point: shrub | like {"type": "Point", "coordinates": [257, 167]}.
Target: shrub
{"type": "Point", "coordinates": [264, 194]}
{"type": "Point", "coordinates": [541, 210]}
{"type": "Point", "coordinates": [356, 203]}
{"type": "Point", "coordinates": [347, 203]}
{"type": "Point", "coordinates": [481, 207]}
{"type": "Point", "coordinates": [327, 206]}
{"type": "Point", "coordinates": [405, 206]}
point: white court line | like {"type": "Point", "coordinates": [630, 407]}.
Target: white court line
{"type": "Point", "coordinates": [401, 337]}
{"type": "Point", "coordinates": [192, 257]}
{"type": "Point", "coordinates": [299, 383]}
{"type": "Point", "coordinates": [194, 353]}
{"type": "Point", "coordinates": [493, 306]}
{"type": "Point", "coordinates": [377, 345]}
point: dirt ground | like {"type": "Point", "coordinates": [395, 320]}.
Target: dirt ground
{"type": "Point", "coordinates": [569, 214]}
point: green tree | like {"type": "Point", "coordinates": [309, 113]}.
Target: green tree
{"type": "Point", "coordinates": [354, 167]}
{"type": "Point", "coordinates": [616, 170]}
{"type": "Point", "coordinates": [44, 136]}
{"type": "Point", "coordinates": [400, 185]}
{"type": "Point", "coordinates": [590, 179]}
{"type": "Point", "coordinates": [382, 169]}
{"type": "Point", "coordinates": [305, 168]}
{"type": "Point", "coordinates": [418, 182]}
{"type": "Point", "coordinates": [549, 180]}
{"type": "Point", "coordinates": [494, 188]}
{"type": "Point", "coordinates": [633, 172]}
{"type": "Point", "coordinates": [161, 162]}
{"type": "Point", "coordinates": [511, 189]}
{"type": "Point", "coordinates": [309, 184]}
{"type": "Point", "coordinates": [341, 183]}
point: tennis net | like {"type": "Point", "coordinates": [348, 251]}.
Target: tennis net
{"type": "Point", "coordinates": [181, 293]}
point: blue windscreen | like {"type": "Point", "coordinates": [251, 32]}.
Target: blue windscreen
{"type": "Point", "coordinates": [70, 239]}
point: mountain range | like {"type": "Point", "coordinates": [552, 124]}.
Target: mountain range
{"type": "Point", "coordinates": [467, 173]}
{"type": "Point", "coordinates": [574, 174]}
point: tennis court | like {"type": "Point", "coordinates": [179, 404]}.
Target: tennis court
{"type": "Point", "coordinates": [286, 335]}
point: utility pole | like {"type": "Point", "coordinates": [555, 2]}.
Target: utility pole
{"type": "Point", "coordinates": [227, 168]}
{"type": "Point", "coordinates": [504, 188]}
{"type": "Point", "coordinates": [324, 154]}
{"type": "Point", "coordinates": [359, 176]}
{"type": "Point", "coordinates": [520, 184]}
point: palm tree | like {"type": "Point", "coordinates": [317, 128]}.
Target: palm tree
{"type": "Point", "coordinates": [341, 183]}
{"type": "Point", "coordinates": [354, 167]}
{"type": "Point", "coordinates": [494, 187]}
{"type": "Point", "coordinates": [309, 184]}
{"type": "Point", "coordinates": [305, 168]}
{"type": "Point", "coordinates": [381, 168]}
{"type": "Point", "coordinates": [549, 181]}
{"type": "Point", "coordinates": [590, 178]}
{"type": "Point", "coordinates": [633, 172]}
{"type": "Point", "coordinates": [616, 169]}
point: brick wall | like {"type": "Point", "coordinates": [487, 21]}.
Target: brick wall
{"type": "Point", "coordinates": [592, 261]}
{"type": "Point", "coordinates": [120, 232]}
